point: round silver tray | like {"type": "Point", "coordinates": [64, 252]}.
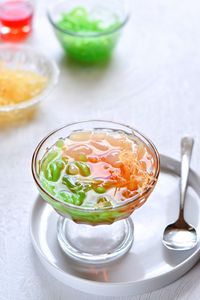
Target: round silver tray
{"type": "Point", "coordinates": [148, 265]}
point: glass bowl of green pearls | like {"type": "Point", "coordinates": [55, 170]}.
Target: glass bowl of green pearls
{"type": "Point", "coordinates": [88, 30]}
{"type": "Point", "coordinates": [95, 174]}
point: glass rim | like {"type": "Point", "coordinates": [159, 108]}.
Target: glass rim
{"type": "Point", "coordinates": [83, 35]}
{"type": "Point", "coordinates": [50, 84]}
{"type": "Point", "coordinates": [92, 209]}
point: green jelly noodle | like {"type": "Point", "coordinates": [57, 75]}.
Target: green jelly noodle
{"type": "Point", "coordinates": [68, 180]}
{"type": "Point", "coordinates": [86, 39]}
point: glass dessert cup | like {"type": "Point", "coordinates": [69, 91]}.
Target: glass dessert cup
{"type": "Point", "coordinates": [94, 234]}
{"type": "Point", "coordinates": [16, 20]}
{"type": "Point", "coordinates": [88, 46]}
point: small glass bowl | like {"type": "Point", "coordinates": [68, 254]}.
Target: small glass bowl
{"type": "Point", "coordinates": [89, 47]}
{"type": "Point", "coordinates": [79, 239]}
{"type": "Point", "coordinates": [26, 58]}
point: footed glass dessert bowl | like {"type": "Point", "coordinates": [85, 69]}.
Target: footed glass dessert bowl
{"type": "Point", "coordinates": [95, 174]}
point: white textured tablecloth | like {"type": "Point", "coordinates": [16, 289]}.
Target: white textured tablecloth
{"type": "Point", "coordinates": [152, 83]}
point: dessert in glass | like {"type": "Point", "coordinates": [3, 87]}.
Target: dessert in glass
{"type": "Point", "coordinates": [95, 174]}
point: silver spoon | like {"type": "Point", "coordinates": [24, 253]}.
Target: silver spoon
{"type": "Point", "coordinates": [180, 235]}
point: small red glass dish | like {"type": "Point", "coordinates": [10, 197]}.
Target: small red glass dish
{"type": "Point", "coordinates": [27, 58]}
{"type": "Point", "coordinates": [15, 20]}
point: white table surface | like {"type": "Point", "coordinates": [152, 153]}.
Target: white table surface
{"type": "Point", "coordinates": [152, 83]}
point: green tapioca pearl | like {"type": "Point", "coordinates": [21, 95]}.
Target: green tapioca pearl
{"type": "Point", "coordinates": [56, 169]}
{"type": "Point", "coordinates": [72, 169]}
{"type": "Point", "coordinates": [48, 174]}
{"type": "Point", "coordinates": [60, 143]}
{"type": "Point", "coordinates": [100, 190]}
{"type": "Point", "coordinates": [82, 157]}
{"type": "Point", "coordinates": [78, 198]}
{"type": "Point", "coordinates": [83, 168]}
{"type": "Point", "coordinates": [60, 164]}
{"type": "Point", "coordinates": [65, 159]}
{"type": "Point", "coordinates": [48, 158]}
{"type": "Point", "coordinates": [75, 199]}
{"type": "Point", "coordinates": [53, 170]}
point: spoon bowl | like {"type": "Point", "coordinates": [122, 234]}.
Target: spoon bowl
{"type": "Point", "coordinates": [180, 238]}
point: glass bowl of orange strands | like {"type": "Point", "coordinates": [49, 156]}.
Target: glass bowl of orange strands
{"type": "Point", "coordinates": [26, 78]}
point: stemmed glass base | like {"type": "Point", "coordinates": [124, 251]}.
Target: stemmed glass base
{"type": "Point", "coordinates": [95, 244]}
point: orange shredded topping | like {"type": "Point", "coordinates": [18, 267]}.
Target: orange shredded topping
{"type": "Point", "coordinates": [134, 170]}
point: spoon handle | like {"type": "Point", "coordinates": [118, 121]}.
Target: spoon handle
{"type": "Point", "coordinates": [186, 153]}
